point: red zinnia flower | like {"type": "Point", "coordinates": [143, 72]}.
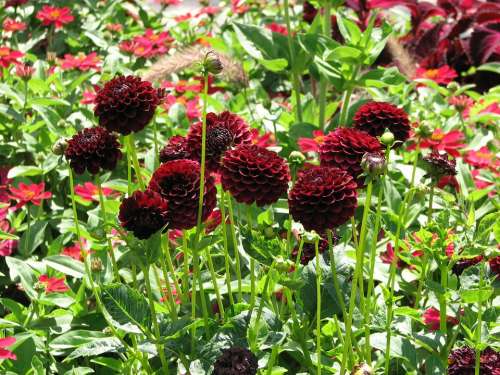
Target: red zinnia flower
{"type": "Point", "coordinates": [266, 140]}
{"type": "Point", "coordinates": [144, 213]}
{"type": "Point", "coordinates": [431, 319]}
{"type": "Point", "coordinates": [75, 251]}
{"type": "Point", "coordinates": [449, 142]}
{"type": "Point", "coordinates": [89, 192]}
{"type": "Point", "coordinates": [462, 103]}
{"type": "Point", "coordinates": [224, 131]}
{"type": "Point", "coordinates": [53, 284]}
{"type": "Point", "coordinates": [389, 256]}
{"type": "Point", "coordinates": [81, 62]}
{"type": "Point", "coordinates": [54, 16]}
{"type": "Point", "coordinates": [126, 104]}
{"type": "Point", "coordinates": [93, 149]}
{"type": "Point", "coordinates": [33, 193]}
{"type": "Point", "coordinates": [4, 353]}
{"type": "Point", "coordinates": [178, 181]}
{"type": "Point", "coordinates": [442, 75]}
{"type": "Point", "coordinates": [344, 148]}
{"type": "Point", "coordinates": [8, 56]}
{"type": "Point", "coordinates": [375, 117]}
{"type": "Point", "coordinates": [323, 198]}
{"type": "Point", "coordinates": [7, 247]}
{"type": "Point", "coordinates": [481, 158]}
{"type": "Point", "coordinates": [12, 25]}
{"type": "Point", "coordinates": [311, 144]}
{"type": "Point", "coordinates": [175, 149]}
{"type": "Point", "coordinates": [277, 28]}
{"type": "Point", "coordinates": [24, 71]}
{"type": "Point", "coordinates": [254, 174]}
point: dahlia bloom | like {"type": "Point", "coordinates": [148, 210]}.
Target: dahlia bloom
{"type": "Point", "coordinates": [53, 284]}
{"type": "Point", "coordinates": [375, 117]}
{"type": "Point", "coordinates": [495, 265]}
{"type": "Point", "coordinates": [81, 62]}
{"type": "Point", "coordinates": [431, 319]}
{"type": "Point", "coordinates": [144, 213]}
{"type": "Point", "coordinates": [126, 104]}
{"type": "Point", "coordinates": [89, 192]}
{"type": "Point", "coordinates": [55, 16]}
{"type": "Point", "coordinates": [5, 353]}
{"type": "Point", "coordinates": [224, 131]}
{"type": "Point", "coordinates": [344, 148]}
{"type": "Point", "coordinates": [481, 158]}
{"type": "Point", "coordinates": [8, 56]}
{"type": "Point", "coordinates": [178, 182]}
{"type": "Point", "coordinates": [236, 361]}
{"type": "Point", "coordinates": [323, 198]}
{"type": "Point", "coordinates": [175, 149]}
{"type": "Point", "coordinates": [442, 75]}
{"type": "Point", "coordinates": [439, 165]}
{"type": "Point", "coordinates": [254, 174]}
{"type": "Point", "coordinates": [93, 149]}
{"type": "Point", "coordinates": [461, 361]}
{"type": "Point", "coordinates": [33, 193]}
{"type": "Point", "coordinates": [463, 263]}
{"type": "Point", "coordinates": [450, 142]}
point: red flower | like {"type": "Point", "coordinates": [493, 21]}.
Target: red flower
{"type": "Point", "coordinates": [311, 144]}
{"type": "Point", "coordinates": [495, 265]}
{"type": "Point", "coordinates": [116, 27]}
{"type": "Point", "coordinates": [12, 25]}
{"type": "Point", "coordinates": [126, 104]}
{"type": "Point", "coordinates": [89, 192]}
{"type": "Point", "coordinates": [81, 62]}
{"type": "Point", "coordinates": [7, 247]}
{"type": "Point", "coordinates": [54, 16]}
{"type": "Point", "coordinates": [266, 140]}
{"type": "Point", "coordinates": [461, 361]}
{"type": "Point", "coordinates": [144, 213]}
{"type": "Point", "coordinates": [462, 103]}
{"type": "Point", "coordinates": [481, 158]}
{"type": "Point", "coordinates": [175, 149]}
{"type": "Point", "coordinates": [254, 174]}
{"type": "Point", "coordinates": [389, 256]}
{"type": "Point", "coordinates": [442, 75]}
{"type": "Point", "coordinates": [53, 284]}
{"type": "Point", "coordinates": [4, 353]}
{"type": "Point", "coordinates": [93, 149]}
{"type": "Point", "coordinates": [323, 198]}
{"type": "Point", "coordinates": [449, 142]}
{"type": "Point", "coordinates": [213, 221]}
{"type": "Point", "coordinates": [344, 148]}
{"type": "Point", "coordinates": [178, 181]}
{"type": "Point", "coordinates": [14, 3]}
{"type": "Point", "coordinates": [448, 181]}
{"type": "Point", "coordinates": [277, 28]}
{"type": "Point", "coordinates": [463, 263]}
{"type": "Point", "coordinates": [439, 164]}
{"type": "Point", "coordinates": [309, 251]}
{"type": "Point", "coordinates": [375, 117]}
{"type": "Point", "coordinates": [33, 193]}
{"type": "Point", "coordinates": [8, 56]}
{"type": "Point", "coordinates": [88, 97]}
{"type": "Point", "coordinates": [224, 131]}
{"type": "Point", "coordinates": [75, 251]}
{"type": "Point", "coordinates": [431, 319]}
{"type": "Point", "coordinates": [24, 71]}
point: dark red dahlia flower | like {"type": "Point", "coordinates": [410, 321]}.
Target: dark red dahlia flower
{"type": "Point", "coordinates": [175, 149]}
{"type": "Point", "coordinates": [93, 149]}
{"type": "Point", "coordinates": [254, 174]}
{"type": "Point", "coordinates": [178, 181]}
{"type": "Point", "coordinates": [461, 361]}
{"type": "Point", "coordinates": [236, 361]}
{"type": "Point", "coordinates": [439, 165]}
{"type": "Point", "coordinates": [144, 213]}
{"type": "Point", "coordinates": [224, 131]}
{"type": "Point", "coordinates": [344, 148]}
{"type": "Point", "coordinates": [462, 264]}
{"type": "Point", "coordinates": [126, 104]}
{"type": "Point", "coordinates": [375, 117]}
{"type": "Point", "coordinates": [308, 12]}
{"type": "Point", "coordinates": [323, 198]}
{"type": "Point", "coordinates": [495, 265]}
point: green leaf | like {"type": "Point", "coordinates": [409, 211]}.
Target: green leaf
{"type": "Point", "coordinates": [75, 338]}
{"type": "Point", "coordinates": [490, 67]}
{"type": "Point", "coordinates": [126, 305]}
{"type": "Point", "coordinates": [48, 101]}
{"type": "Point", "coordinates": [346, 54]}
{"type": "Point", "coordinates": [7, 236]}
{"type": "Point", "coordinates": [26, 275]}
{"type": "Point", "coordinates": [66, 265]}
{"type": "Point", "coordinates": [95, 347]}
{"type": "Point", "coordinates": [382, 77]}
{"type": "Point", "coordinates": [349, 30]}
{"type": "Point", "coordinates": [275, 65]}
{"type": "Point", "coordinates": [476, 295]}
{"type": "Point", "coordinates": [30, 241]}
{"type": "Point", "coordinates": [24, 170]}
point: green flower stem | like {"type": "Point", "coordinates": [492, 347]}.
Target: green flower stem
{"type": "Point", "coordinates": [28, 229]}
{"type": "Point", "coordinates": [431, 200]}
{"type": "Point", "coordinates": [265, 295]}
{"type": "Point", "coordinates": [129, 170]}
{"type": "Point", "coordinates": [214, 282]}
{"type": "Point", "coordinates": [479, 323]}
{"type": "Point", "coordinates": [156, 327]}
{"type": "Point", "coordinates": [166, 259]}
{"type": "Point", "coordinates": [235, 246]}
{"type": "Point", "coordinates": [88, 272]}
{"type": "Point", "coordinates": [442, 299]}
{"type": "Point", "coordinates": [344, 111]}
{"type": "Point", "coordinates": [358, 274]}
{"type": "Point", "coordinates": [133, 154]}
{"type": "Point", "coordinates": [295, 74]}
{"type": "Point", "coordinates": [103, 214]}
{"type": "Point", "coordinates": [252, 260]}
{"type": "Point", "coordinates": [155, 139]}
{"type": "Point", "coordinates": [323, 84]}
{"type": "Point", "coordinates": [318, 306]}
{"type": "Point", "coordinates": [354, 232]}
{"type": "Point", "coordinates": [185, 265]}
{"type": "Point", "coordinates": [227, 258]}
{"type": "Point", "coordinates": [299, 255]}
{"type": "Point", "coordinates": [169, 302]}
{"type": "Point", "coordinates": [168, 287]}
{"type": "Point", "coordinates": [335, 276]}
{"type": "Point", "coordinates": [392, 269]}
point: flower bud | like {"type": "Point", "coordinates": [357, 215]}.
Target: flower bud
{"type": "Point", "coordinates": [453, 86]}
{"type": "Point", "coordinates": [96, 265]}
{"type": "Point", "coordinates": [387, 139]}
{"type": "Point", "coordinates": [424, 129]}
{"type": "Point", "coordinates": [373, 164]}
{"type": "Point", "coordinates": [60, 146]}
{"type": "Point", "coordinates": [269, 232]}
{"type": "Point", "coordinates": [212, 63]}
{"type": "Point", "coordinates": [283, 265]}
{"type": "Point", "coordinates": [362, 369]}
{"type": "Point", "coordinates": [24, 71]}
{"type": "Point", "coordinates": [296, 157]}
